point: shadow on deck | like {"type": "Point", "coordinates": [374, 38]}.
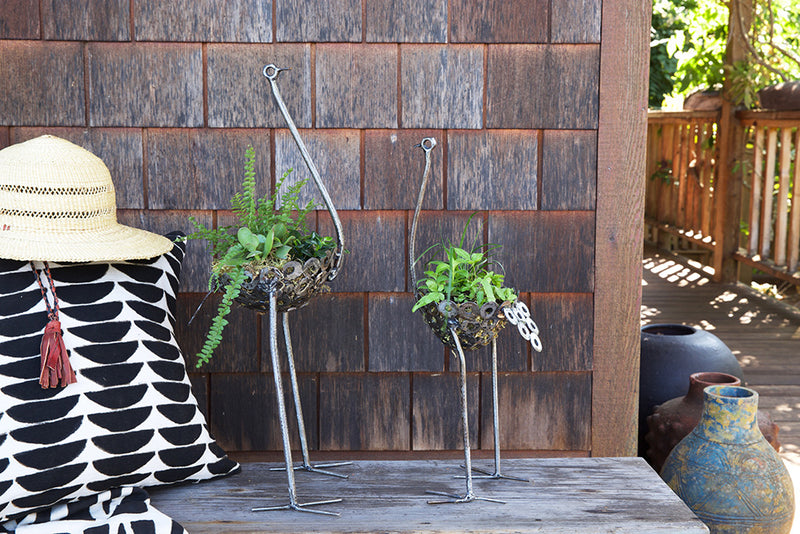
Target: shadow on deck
{"type": "Point", "coordinates": [762, 333]}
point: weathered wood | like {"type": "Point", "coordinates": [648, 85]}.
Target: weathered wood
{"type": "Point", "coordinates": [618, 226]}
{"type": "Point", "coordinates": [311, 20]}
{"type": "Point", "coordinates": [436, 411]}
{"type": "Point", "coordinates": [569, 170]}
{"type": "Point", "coordinates": [244, 411]}
{"type": "Point", "coordinates": [364, 411]}
{"type": "Point", "coordinates": [755, 191]}
{"type": "Point", "coordinates": [566, 329]}
{"type": "Point", "coordinates": [559, 256]}
{"type": "Point", "coordinates": [769, 180]}
{"type": "Point", "coordinates": [516, 73]}
{"type": "Point", "coordinates": [442, 86]}
{"type": "Point", "coordinates": [781, 217]}
{"type": "Point", "coordinates": [566, 495]}
{"type": "Point", "coordinates": [336, 154]}
{"type": "Point", "coordinates": [397, 344]}
{"type": "Point", "coordinates": [327, 335]}
{"type": "Point", "coordinates": [794, 225]}
{"type": "Point", "coordinates": [490, 170]}
{"type": "Point", "coordinates": [499, 21]}
{"type": "Point", "coordinates": [730, 146]}
{"type": "Point", "coordinates": [400, 21]}
{"type": "Point", "coordinates": [540, 411]}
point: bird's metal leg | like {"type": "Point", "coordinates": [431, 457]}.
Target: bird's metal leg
{"type": "Point", "coordinates": [496, 422]}
{"type": "Point", "coordinates": [287, 451]}
{"type": "Point", "coordinates": [470, 495]}
{"type": "Point", "coordinates": [298, 410]}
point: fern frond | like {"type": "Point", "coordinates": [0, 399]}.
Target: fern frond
{"type": "Point", "coordinates": [218, 323]}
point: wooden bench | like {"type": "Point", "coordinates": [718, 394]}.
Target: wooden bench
{"type": "Point", "coordinates": [567, 495]}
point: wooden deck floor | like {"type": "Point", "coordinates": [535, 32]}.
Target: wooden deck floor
{"type": "Point", "coordinates": [764, 336]}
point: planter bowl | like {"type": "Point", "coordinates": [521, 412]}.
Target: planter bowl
{"type": "Point", "coordinates": [476, 326]}
{"type": "Point", "coordinates": [295, 284]}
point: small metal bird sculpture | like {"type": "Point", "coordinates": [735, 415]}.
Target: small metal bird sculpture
{"type": "Point", "coordinates": [468, 327]}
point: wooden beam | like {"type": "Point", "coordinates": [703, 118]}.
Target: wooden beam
{"type": "Point", "coordinates": [731, 151]}
{"type": "Point", "coordinates": [621, 144]}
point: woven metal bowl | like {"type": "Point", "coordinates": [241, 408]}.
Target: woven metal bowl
{"type": "Point", "coordinates": [476, 326]}
{"type": "Point", "coordinates": [295, 284]}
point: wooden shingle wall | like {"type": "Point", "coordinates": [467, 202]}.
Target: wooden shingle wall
{"type": "Point", "coordinates": [539, 108]}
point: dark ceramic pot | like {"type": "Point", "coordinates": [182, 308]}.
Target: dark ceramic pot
{"type": "Point", "coordinates": [670, 353]}
{"type": "Point", "coordinates": [725, 470]}
{"type": "Point", "coordinates": [672, 421]}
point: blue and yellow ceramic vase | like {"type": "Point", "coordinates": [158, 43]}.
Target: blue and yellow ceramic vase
{"type": "Point", "coordinates": [725, 470]}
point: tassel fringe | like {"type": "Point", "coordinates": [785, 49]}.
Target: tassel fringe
{"type": "Point", "coordinates": [56, 369]}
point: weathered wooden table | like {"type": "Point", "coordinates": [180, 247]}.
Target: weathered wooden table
{"type": "Point", "coordinates": [567, 495]}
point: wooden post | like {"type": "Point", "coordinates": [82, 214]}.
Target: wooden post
{"type": "Point", "coordinates": [731, 155]}
{"type": "Point", "coordinates": [621, 145]}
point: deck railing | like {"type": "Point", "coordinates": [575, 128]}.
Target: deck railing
{"type": "Point", "coordinates": [680, 204]}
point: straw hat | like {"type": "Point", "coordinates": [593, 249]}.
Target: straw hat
{"type": "Point", "coordinates": [57, 204]}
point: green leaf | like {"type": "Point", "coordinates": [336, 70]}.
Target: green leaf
{"type": "Point", "coordinates": [247, 238]}
{"type": "Point", "coordinates": [427, 299]}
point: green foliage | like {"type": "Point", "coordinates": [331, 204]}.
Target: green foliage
{"type": "Point", "coordinates": [218, 323]}
{"type": "Point", "coordinates": [689, 40]}
{"type": "Point", "coordinates": [267, 231]}
{"type": "Point", "coordinates": [462, 276]}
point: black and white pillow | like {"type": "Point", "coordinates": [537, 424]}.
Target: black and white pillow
{"type": "Point", "coordinates": [119, 511]}
{"type": "Point", "coordinates": [131, 418]}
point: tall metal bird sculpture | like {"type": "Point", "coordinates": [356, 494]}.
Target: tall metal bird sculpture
{"type": "Point", "coordinates": [465, 327]}
{"type": "Point", "coordinates": [286, 289]}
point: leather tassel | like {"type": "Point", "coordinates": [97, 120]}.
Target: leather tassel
{"type": "Point", "coordinates": [55, 367]}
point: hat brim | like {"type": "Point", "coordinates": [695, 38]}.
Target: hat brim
{"type": "Point", "coordinates": [114, 243]}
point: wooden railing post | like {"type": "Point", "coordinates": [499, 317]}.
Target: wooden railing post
{"type": "Point", "coordinates": [731, 159]}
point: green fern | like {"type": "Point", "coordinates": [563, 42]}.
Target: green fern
{"type": "Point", "coordinates": [267, 231]}
{"type": "Point", "coordinates": [218, 323]}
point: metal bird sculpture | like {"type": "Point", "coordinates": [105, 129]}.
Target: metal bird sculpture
{"type": "Point", "coordinates": [286, 290]}
{"type": "Point", "coordinates": [464, 327]}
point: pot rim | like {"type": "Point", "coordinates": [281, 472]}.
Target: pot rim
{"type": "Point", "coordinates": [669, 329]}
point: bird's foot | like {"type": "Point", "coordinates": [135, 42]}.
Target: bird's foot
{"type": "Point", "coordinates": [294, 505]}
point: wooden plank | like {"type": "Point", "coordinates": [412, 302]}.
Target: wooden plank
{"type": "Point", "coordinates": [364, 411]}
{"type": "Point", "coordinates": [624, 61]}
{"type": "Point", "coordinates": [566, 329]}
{"type": "Point", "coordinates": [666, 117]}
{"type": "Point", "coordinates": [675, 185]}
{"type": "Point", "coordinates": [769, 180]}
{"type": "Point", "coordinates": [567, 495]}
{"type": "Point", "coordinates": [436, 411]}
{"type": "Point", "coordinates": [493, 170]}
{"type": "Point", "coordinates": [681, 217]}
{"type": "Point", "coordinates": [499, 21]}
{"type": "Point", "coordinates": [781, 218]}
{"type": "Point", "coordinates": [757, 184]}
{"type": "Point", "coordinates": [794, 227]}
{"type": "Point", "coordinates": [706, 177]}
{"type": "Point", "coordinates": [569, 170]}
{"type": "Point", "coordinates": [539, 411]}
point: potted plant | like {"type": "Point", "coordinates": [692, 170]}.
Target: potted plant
{"type": "Point", "coordinates": [462, 286]}
{"type": "Point", "coordinates": [268, 248]}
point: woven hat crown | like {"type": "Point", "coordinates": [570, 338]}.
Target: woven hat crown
{"type": "Point", "coordinates": [57, 203]}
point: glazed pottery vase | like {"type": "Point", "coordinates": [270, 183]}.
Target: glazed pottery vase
{"type": "Point", "coordinates": [672, 421]}
{"type": "Point", "coordinates": [669, 354]}
{"type": "Point", "coordinates": [725, 470]}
